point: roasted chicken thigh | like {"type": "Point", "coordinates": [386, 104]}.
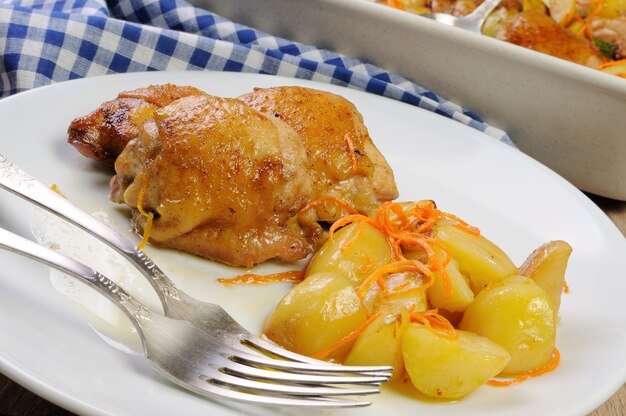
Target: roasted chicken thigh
{"type": "Point", "coordinates": [343, 160]}
{"type": "Point", "coordinates": [103, 134]}
{"type": "Point", "coordinates": [238, 180]}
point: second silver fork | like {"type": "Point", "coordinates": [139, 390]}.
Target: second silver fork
{"type": "Point", "coordinates": [208, 317]}
{"type": "Point", "coordinates": [193, 359]}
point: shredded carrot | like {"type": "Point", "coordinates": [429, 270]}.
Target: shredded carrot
{"type": "Point", "coordinates": [148, 216]}
{"type": "Point", "coordinates": [395, 224]}
{"type": "Point", "coordinates": [367, 265]}
{"type": "Point", "coordinates": [346, 246]}
{"type": "Point", "coordinates": [350, 145]}
{"type": "Point", "coordinates": [329, 198]}
{"type": "Point", "coordinates": [415, 229]}
{"type": "Point", "coordinates": [435, 264]}
{"type": "Point", "coordinates": [398, 289]}
{"type": "Point", "coordinates": [405, 292]}
{"type": "Point", "coordinates": [430, 319]}
{"type": "Point", "coordinates": [349, 219]}
{"type": "Point", "coordinates": [435, 215]}
{"type": "Point", "coordinates": [551, 366]}
{"type": "Point", "coordinates": [403, 266]}
{"type": "Point", "coordinates": [565, 287]}
{"type": "Point", "coordinates": [587, 26]}
{"type": "Point", "coordinates": [350, 337]}
{"type": "Point", "coordinates": [293, 276]}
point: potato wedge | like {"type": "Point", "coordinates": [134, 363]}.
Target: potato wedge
{"type": "Point", "coordinates": [403, 292]}
{"type": "Point", "coordinates": [479, 259]}
{"type": "Point", "coordinates": [381, 342]}
{"type": "Point", "coordinates": [447, 368]}
{"type": "Point", "coordinates": [546, 266]}
{"type": "Point", "coordinates": [460, 294]}
{"type": "Point", "coordinates": [315, 314]}
{"type": "Point", "coordinates": [517, 314]}
{"type": "Point", "coordinates": [352, 253]}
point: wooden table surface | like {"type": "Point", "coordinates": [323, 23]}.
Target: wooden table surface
{"type": "Point", "coordinates": [17, 401]}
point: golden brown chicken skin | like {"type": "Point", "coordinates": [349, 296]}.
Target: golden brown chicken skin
{"type": "Point", "coordinates": [222, 179]}
{"type": "Point", "coordinates": [344, 162]}
{"type": "Point", "coordinates": [230, 183]}
{"type": "Point", "coordinates": [103, 134]}
{"type": "Point", "coordinates": [535, 30]}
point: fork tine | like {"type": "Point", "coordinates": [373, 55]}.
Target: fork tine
{"type": "Point", "coordinates": [311, 368]}
{"type": "Point", "coordinates": [240, 370]}
{"type": "Point", "coordinates": [298, 362]}
{"type": "Point", "coordinates": [229, 381]}
{"type": "Point", "coordinates": [278, 400]}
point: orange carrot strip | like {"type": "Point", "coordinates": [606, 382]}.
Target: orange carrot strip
{"type": "Point", "coordinates": [392, 228]}
{"type": "Point", "coordinates": [351, 336]}
{"type": "Point", "coordinates": [329, 198]}
{"type": "Point", "coordinates": [367, 265]}
{"type": "Point", "coordinates": [565, 287]}
{"type": "Point", "coordinates": [348, 219]}
{"type": "Point", "coordinates": [551, 366]}
{"type": "Point", "coordinates": [591, 16]}
{"type": "Point", "coordinates": [146, 231]}
{"type": "Point", "coordinates": [148, 216]}
{"type": "Point", "coordinates": [396, 267]}
{"type": "Point", "coordinates": [346, 246]}
{"type": "Point", "coordinates": [403, 293]}
{"type": "Point", "coordinates": [293, 276]}
{"type": "Point", "coordinates": [434, 263]}
{"type": "Point", "coordinates": [431, 318]}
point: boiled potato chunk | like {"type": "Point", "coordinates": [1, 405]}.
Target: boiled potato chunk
{"type": "Point", "coordinates": [315, 314]}
{"type": "Point", "coordinates": [546, 266]}
{"type": "Point", "coordinates": [354, 258]}
{"type": "Point", "coordinates": [479, 259]}
{"type": "Point", "coordinates": [460, 294]}
{"type": "Point", "coordinates": [448, 368]}
{"type": "Point", "coordinates": [517, 314]}
{"type": "Point", "coordinates": [404, 292]}
{"type": "Point", "coordinates": [380, 343]}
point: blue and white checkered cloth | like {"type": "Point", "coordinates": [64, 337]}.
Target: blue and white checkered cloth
{"type": "Point", "coordinates": [47, 41]}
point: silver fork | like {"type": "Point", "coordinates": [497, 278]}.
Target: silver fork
{"type": "Point", "coordinates": [472, 22]}
{"type": "Point", "coordinates": [197, 361]}
{"type": "Point", "coordinates": [208, 317]}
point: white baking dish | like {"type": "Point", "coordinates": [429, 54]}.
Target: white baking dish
{"type": "Point", "coordinates": [571, 118]}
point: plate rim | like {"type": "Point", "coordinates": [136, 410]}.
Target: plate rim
{"type": "Point", "coordinates": [74, 404]}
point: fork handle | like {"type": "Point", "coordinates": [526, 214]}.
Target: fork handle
{"type": "Point", "coordinates": [134, 309]}
{"type": "Point", "coordinates": [17, 181]}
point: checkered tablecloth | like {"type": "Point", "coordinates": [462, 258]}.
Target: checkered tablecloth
{"type": "Point", "coordinates": [47, 41]}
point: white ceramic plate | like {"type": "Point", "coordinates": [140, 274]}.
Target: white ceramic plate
{"type": "Point", "coordinates": [49, 348]}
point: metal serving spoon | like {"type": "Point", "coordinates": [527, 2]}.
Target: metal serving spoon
{"type": "Point", "coordinates": [472, 22]}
